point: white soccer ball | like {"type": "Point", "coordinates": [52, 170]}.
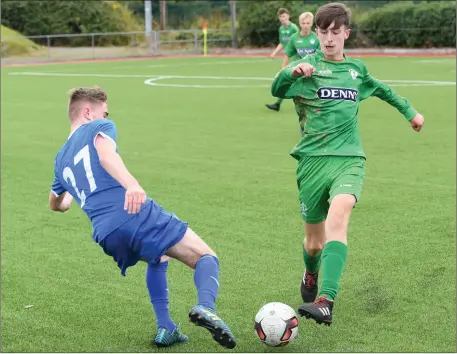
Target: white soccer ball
{"type": "Point", "coordinates": [276, 324]}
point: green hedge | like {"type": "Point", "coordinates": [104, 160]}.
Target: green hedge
{"type": "Point", "coordinates": [400, 24]}
{"type": "Point", "coordinates": [70, 17]}
{"type": "Point", "coordinates": [410, 25]}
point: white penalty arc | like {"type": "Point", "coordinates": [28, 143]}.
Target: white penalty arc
{"type": "Point", "coordinates": [154, 81]}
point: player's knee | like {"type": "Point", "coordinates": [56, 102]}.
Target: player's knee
{"type": "Point", "coordinates": [201, 254]}
{"type": "Point", "coordinates": [315, 247]}
{"type": "Point", "coordinates": [314, 244]}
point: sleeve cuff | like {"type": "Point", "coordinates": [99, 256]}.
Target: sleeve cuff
{"type": "Point", "coordinates": [410, 113]}
{"type": "Point", "coordinates": [288, 74]}
{"type": "Point", "coordinates": [56, 194]}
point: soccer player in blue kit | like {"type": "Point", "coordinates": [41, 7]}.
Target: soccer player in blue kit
{"type": "Point", "coordinates": [127, 224]}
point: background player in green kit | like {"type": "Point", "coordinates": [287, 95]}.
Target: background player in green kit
{"type": "Point", "coordinates": [327, 88]}
{"type": "Point", "coordinates": [286, 30]}
{"type": "Point", "coordinates": [302, 43]}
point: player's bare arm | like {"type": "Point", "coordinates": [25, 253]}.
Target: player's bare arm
{"type": "Point", "coordinates": [277, 50]}
{"type": "Point", "coordinates": [60, 203]}
{"type": "Point", "coordinates": [285, 62]}
{"type": "Point", "coordinates": [110, 160]}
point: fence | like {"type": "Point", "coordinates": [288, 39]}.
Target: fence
{"type": "Point", "coordinates": [95, 45]}
{"type": "Point", "coordinates": [23, 49]}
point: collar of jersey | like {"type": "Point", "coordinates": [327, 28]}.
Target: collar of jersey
{"type": "Point", "coordinates": [320, 53]}
{"type": "Point", "coordinates": [71, 134]}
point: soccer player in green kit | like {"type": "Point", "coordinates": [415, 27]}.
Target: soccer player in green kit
{"type": "Point", "coordinates": [327, 88]}
{"type": "Point", "coordinates": [302, 43]}
{"type": "Point", "coordinates": [286, 30]}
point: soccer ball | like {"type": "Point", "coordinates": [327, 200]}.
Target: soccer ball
{"type": "Point", "coordinates": [276, 324]}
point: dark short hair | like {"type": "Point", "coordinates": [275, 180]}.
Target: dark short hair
{"type": "Point", "coordinates": [333, 12]}
{"type": "Point", "coordinates": [282, 10]}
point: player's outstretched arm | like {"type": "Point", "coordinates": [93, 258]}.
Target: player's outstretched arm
{"type": "Point", "coordinates": [60, 203]}
{"type": "Point", "coordinates": [110, 160]}
{"type": "Point", "coordinates": [277, 50]}
{"type": "Point", "coordinates": [373, 87]}
{"type": "Point", "coordinates": [290, 50]}
{"type": "Point", "coordinates": [282, 82]}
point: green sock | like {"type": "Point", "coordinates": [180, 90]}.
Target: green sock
{"type": "Point", "coordinates": [279, 101]}
{"type": "Point", "coordinates": [312, 263]}
{"type": "Point", "coordinates": [333, 258]}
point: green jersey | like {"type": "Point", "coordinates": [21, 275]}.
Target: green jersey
{"type": "Point", "coordinates": [286, 32]}
{"type": "Point", "coordinates": [327, 104]}
{"type": "Point", "coordinates": [300, 46]}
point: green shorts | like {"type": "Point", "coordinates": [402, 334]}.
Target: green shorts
{"type": "Point", "coordinates": [320, 178]}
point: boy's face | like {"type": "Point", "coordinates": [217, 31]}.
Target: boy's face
{"type": "Point", "coordinates": [332, 40]}
{"type": "Point", "coordinates": [284, 19]}
{"type": "Point", "coordinates": [306, 23]}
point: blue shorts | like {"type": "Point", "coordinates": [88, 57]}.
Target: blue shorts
{"type": "Point", "coordinates": [146, 236]}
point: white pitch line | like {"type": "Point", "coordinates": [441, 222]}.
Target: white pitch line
{"type": "Point", "coordinates": [155, 77]}
{"type": "Point", "coordinates": [189, 63]}
{"type": "Point", "coordinates": [429, 61]}
{"type": "Point", "coordinates": [33, 73]}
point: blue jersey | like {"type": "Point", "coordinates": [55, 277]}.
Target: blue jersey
{"type": "Point", "coordinates": [77, 170]}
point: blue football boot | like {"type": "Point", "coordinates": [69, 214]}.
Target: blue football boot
{"type": "Point", "coordinates": [166, 338]}
{"type": "Point", "coordinates": [205, 317]}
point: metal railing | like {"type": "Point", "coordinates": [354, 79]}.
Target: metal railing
{"type": "Point", "coordinates": [110, 45]}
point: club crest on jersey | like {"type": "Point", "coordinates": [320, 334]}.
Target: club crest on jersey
{"type": "Point", "coordinates": [312, 41]}
{"type": "Point", "coordinates": [337, 93]}
{"type": "Point", "coordinates": [353, 73]}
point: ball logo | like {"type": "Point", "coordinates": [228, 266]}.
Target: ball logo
{"type": "Point", "coordinates": [337, 93]}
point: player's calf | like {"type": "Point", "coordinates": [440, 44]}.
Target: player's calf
{"type": "Point", "coordinates": [312, 248]}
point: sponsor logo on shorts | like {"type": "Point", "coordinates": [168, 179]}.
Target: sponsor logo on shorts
{"type": "Point", "coordinates": [303, 209]}
{"type": "Point", "coordinates": [337, 93]}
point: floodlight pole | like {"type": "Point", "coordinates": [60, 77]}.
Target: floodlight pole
{"type": "Point", "coordinates": [233, 18]}
{"type": "Point", "coordinates": [148, 22]}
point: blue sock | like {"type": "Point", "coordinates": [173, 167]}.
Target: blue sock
{"type": "Point", "coordinates": [156, 281]}
{"type": "Point", "coordinates": [206, 279]}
